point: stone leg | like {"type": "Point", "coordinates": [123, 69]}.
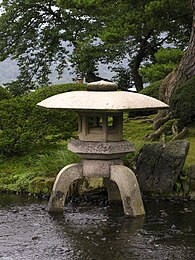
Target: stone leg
{"type": "Point", "coordinates": [112, 189]}
{"type": "Point", "coordinates": [61, 186]}
{"type": "Point", "coordinates": [129, 190]}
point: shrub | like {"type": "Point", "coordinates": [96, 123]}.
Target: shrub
{"type": "Point", "coordinates": [24, 125]}
{"type": "Point", "coordinates": [49, 91]}
{"type": "Point", "coordinates": [4, 94]}
{"type": "Point", "coordinates": [152, 90]}
{"type": "Point", "coordinates": [182, 101]}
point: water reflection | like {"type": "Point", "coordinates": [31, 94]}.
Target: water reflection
{"type": "Point", "coordinates": [98, 232]}
{"type": "Point", "coordinates": [87, 231]}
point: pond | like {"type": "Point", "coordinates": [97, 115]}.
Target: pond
{"type": "Point", "coordinates": [95, 231]}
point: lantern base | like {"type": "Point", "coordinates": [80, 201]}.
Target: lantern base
{"type": "Point", "coordinates": [100, 150]}
{"type": "Point", "coordinates": [121, 184]}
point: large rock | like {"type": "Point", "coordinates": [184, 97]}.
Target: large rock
{"type": "Point", "coordinates": [158, 165]}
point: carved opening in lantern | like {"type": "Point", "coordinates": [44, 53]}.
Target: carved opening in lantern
{"type": "Point", "coordinates": [100, 126]}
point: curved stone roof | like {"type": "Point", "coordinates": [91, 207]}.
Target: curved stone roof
{"type": "Point", "coordinates": [102, 101]}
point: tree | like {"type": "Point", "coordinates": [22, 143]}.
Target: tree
{"type": "Point", "coordinates": [175, 81]}
{"type": "Point", "coordinates": [177, 90]}
{"type": "Point", "coordinates": [186, 68]}
{"type": "Point", "coordinates": [37, 33]}
{"type": "Point", "coordinates": [133, 30]}
{"type": "Point", "coordinates": [34, 32]}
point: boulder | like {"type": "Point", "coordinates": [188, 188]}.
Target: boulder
{"type": "Point", "coordinates": [158, 165]}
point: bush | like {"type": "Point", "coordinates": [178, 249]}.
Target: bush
{"type": "Point", "coordinates": [24, 125]}
{"type": "Point", "coordinates": [48, 91]}
{"type": "Point", "coordinates": [152, 90]}
{"type": "Point", "coordinates": [4, 94]}
{"type": "Point", "coordinates": [182, 101]}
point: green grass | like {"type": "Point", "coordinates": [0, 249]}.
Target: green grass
{"type": "Point", "coordinates": [191, 138]}
{"type": "Point", "coordinates": [19, 172]}
{"type": "Point", "coordinates": [135, 131]}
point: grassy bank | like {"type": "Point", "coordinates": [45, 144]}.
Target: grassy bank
{"type": "Point", "coordinates": [36, 171]}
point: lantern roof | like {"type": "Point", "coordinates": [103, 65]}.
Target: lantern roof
{"type": "Point", "coordinates": [102, 99]}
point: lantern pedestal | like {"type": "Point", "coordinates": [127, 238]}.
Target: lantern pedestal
{"type": "Point", "coordinates": [104, 160]}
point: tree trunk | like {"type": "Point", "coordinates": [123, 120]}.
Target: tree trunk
{"type": "Point", "coordinates": [137, 78]}
{"type": "Point", "coordinates": [137, 60]}
{"type": "Point", "coordinates": [186, 68]}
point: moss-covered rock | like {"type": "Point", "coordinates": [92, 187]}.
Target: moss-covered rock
{"type": "Point", "coordinates": [41, 185]}
{"type": "Point", "coordinates": [89, 185]}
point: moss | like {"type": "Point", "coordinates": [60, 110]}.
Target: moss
{"type": "Point", "coordinates": [41, 186]}
{"type": "Point", "coordinates": [182, 101]}
{"type": "Point", "coordinates": [135, 130]}
{"type": "Point", "coordinates": [89, 185]}
{"type": "Point", "coordinates": [191, 138]}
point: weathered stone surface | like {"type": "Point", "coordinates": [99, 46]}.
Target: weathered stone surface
{"type": "Point", "coordinates": [61, 186]}
{"type": "Point", "coordinates": [129, 190]}
{"type": "Point", "coordinates": [98, 168]}
{"type": "Point", "coordinates": [102, 85]}
{"type": "Point", "coordinates": [158, 165]}
{"type": "Point", "coordinates": [100, 150]}
{"type": "Point", "coordinates": [104, 101]}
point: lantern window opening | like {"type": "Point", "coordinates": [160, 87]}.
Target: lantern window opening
{"type": "Point", "coordinates": [95, 124]}
{"type": "Point", "coordinates": [95, 121]}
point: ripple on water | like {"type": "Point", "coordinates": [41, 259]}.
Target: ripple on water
{"type": "Point", "coordinates": [87, 231]}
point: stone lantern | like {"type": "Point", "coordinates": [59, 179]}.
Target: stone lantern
{"type": "Point", "coordinates": [100, 144]}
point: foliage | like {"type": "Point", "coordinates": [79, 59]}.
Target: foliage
{"type": "Point", "coordinates": [24, 125]}
{"type": "Point", "coordinates": [152, 90]}
{"type": "Point", "coordinates": [4, 94]}
{"type": "Point", "coordinates": [123, 78]}
{"type": "Point", "coordinates": [182, 101]}
{"type": "Point", "coordinates": [39, 33]}
{"type": "Point", "coordinates": [19, 87]}
{"type": "Point", "coordinates": [165, 60]}
{"type": "Point", "coordinates": [134, 30]}
{"type": "Point", "coordinates": [168, 55]}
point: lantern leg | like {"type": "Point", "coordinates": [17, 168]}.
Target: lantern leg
{"type": "Point", "coordinates": [129, 190]}
{"type": "Point", "coordinates": [61, 186]}
{"type": "Point", "coordinates": [112, 190]}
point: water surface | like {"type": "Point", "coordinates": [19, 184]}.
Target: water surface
{"type": "Point", "coordinates": [88, 230]}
